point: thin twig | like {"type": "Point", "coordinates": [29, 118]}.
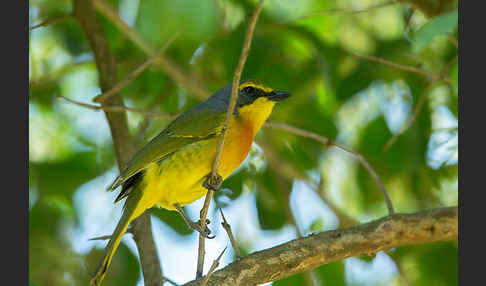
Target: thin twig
{"type": "Point", "coordinates": [164, 279]}
{"type": "Point", "coordinates": [410, 122]}
{"type": "Point", "coordinates": [202, 240]}
{"type": "Point", "coordinates": [115, 89]}
{"type": "Point", "coordinates": [417, 109]}
{"type": "Point", "coordinates": [327, 142]}
{"type": "Point", "coordinates": [285, 169]}
{"type": "Point", "coordinates": [235, 84]}
{"type": "Point", "coordinates": [227, 228]}
{"type": "Point", "coordinates": [213, 267]}
{"type": "Point", "coordinates": [339, 11]}
{"type": "Point", "coordinates": [231, 107]}
{"type": "Point", "coordinates": [402, 67]}
{"type": "Point", "coordinates": [172, 69]}
{"type": "Point", "coordinates": [119, 109]}
{"type": "Point", "coordinates": [52, 21]}
{"type": "Point", "coordinates": [104, 237]}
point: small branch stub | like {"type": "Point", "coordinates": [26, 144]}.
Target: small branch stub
{"type": "Point", "coordinates": [227, 228]}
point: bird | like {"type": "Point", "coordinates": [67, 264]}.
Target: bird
{"type": "Point", "coordinates": [172, 169]}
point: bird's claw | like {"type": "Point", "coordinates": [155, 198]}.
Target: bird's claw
{"type": "Point", "coordinates": [206, 232]}
{"type": "Point", "coordinates": [213, 182]}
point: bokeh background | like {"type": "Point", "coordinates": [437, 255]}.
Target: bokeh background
{"type": "Point", "coordinates": [289, 185]}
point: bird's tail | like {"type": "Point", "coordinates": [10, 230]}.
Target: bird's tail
{"type": "Point", "coordinates": [110, 249]}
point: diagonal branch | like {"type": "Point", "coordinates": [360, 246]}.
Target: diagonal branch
{"type": "Point", "coordinates": [172, 69]}
{"type": "Point", "coordinates": [227, 228]}
{"type": "Point", "coordinates": [417, 109]}
{"type": "Point", "coordinates": [231, 107]}
{"type": "Point", "coordinates": [339, 11]}
{"type": "Point", "coordinates": [213, 267]}
{"type": "Point", "coordinates": [52, 21]}
{"type": "Point", "coordinates": [403, 67]}
{"type": "Point", "coordinates": [122, 109]}
{"type": "Point", "coordinates": [436, 225]}
{"type": "Point", "coordinates": [327, 142]}
{"type": "Point", "coordinates": [114, 90]}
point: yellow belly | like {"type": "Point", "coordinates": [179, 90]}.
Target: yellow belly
{"type": "Point", "coordinates": [179, 178]}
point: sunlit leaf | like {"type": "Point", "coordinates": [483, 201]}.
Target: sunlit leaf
{"type": "Point", "coordinates": [440, 25]}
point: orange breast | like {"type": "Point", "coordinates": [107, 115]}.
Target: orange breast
{"type": "Point", "coordinates": [237, 145]}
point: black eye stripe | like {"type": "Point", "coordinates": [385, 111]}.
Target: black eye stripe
{"type": "Point", "coordinates": [253, 91]}
{"type": "Point", "coordinates": [249, 89]}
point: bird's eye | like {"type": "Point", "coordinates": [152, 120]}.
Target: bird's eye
{"type": "Point", "coordinates": [250, 90]}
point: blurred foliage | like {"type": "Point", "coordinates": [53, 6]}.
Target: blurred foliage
{"type": "Point", "coordinates": [358, 103]}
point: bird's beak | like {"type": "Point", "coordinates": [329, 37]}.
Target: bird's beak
{"type": "Point", "coordinates": [278, 95]}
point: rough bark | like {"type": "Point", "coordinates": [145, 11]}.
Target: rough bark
{"type": "Point", "coordinates": [309, 252]}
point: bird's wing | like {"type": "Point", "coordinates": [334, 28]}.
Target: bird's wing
{"type": "Point", "coordinates": [194, 125]}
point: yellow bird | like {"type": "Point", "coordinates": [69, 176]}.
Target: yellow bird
{"type": "Point", "coordinates": [170, 171]}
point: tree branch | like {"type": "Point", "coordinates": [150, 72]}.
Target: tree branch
{"type": "Point", "coordinates": [231, 106]}
{"type": "Point", "coordinates": [340, 11]}
{"type": "Point", "coordinates": [52, 21]}
{"type": "Point", "coordinates": [327, 142]}
{"type": "Point", "coordinates": [124, 146]}
{"type": "Point", "coordinates": [135, 73]}
{"type": "Point", "coordinates": [417, 108]}
{"type": "Point", "coordinates": [403, 67]}
{"type": "Point", "coordinates": [227, 228]}
{"type": "Point", "coordinates": [122, 109]}
{"type": "Point", "coordinates": [302, 254]}
{"type": "Point", "coordinates": [171, 68]}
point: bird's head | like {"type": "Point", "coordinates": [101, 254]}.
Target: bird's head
{"type": "Point", "coordinates": [256, 101]}
{"type": "Point", "coordinates": [253, 93]}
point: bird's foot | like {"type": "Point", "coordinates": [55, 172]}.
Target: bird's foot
{"type": "Point", "coordinates": [206, 232]}
{"type": "Point", "coordinates": [213, 182]}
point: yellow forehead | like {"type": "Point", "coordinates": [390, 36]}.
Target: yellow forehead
{"type": "Point", "coordinates": [255, 85]}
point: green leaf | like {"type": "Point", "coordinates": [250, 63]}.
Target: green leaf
{"type": "Point", "coordinates": [297, 279]}
{"type": "Point", "coordinates": [441, 25]}
{"type": "Point", "coordinates": [270, 202]}
{"type": "Point", "coordinates": [429, 264]}
{"type": "Point", "coordinates": [455, 79]}
{"type": "Point", "coordinates": [317, 225]}
{"type": "Point", "coordinates": [331, 274]}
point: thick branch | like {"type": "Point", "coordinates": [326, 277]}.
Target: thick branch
{"type": "Point", "coordinates": [312, 251]}
{"type": "Point", "coordinates": [124, 146]}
